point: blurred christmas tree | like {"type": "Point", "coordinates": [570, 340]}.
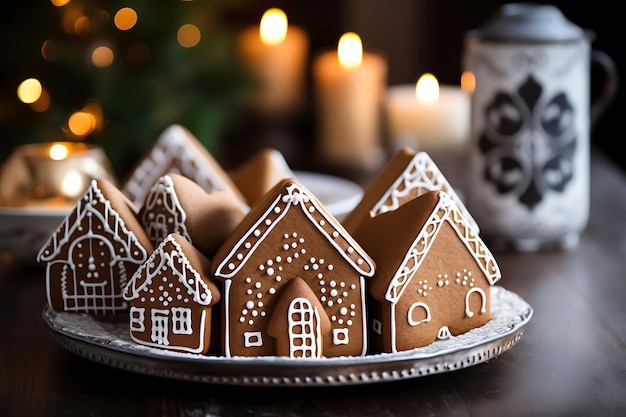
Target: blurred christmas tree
{"type": "Point", "coordinates": [125, 69]}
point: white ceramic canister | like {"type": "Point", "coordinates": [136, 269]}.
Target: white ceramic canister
{"type": "Point", "coordinates": [531, 112]}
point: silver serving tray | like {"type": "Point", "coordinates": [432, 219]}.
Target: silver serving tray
{"type": "Point", "coordinates": [110, 344]}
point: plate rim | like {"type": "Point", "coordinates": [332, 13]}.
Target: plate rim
{"type": "Point", "coordinates": [283, 371]}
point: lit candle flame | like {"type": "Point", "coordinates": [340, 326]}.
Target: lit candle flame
{"type": "Point", "coordinates": [273, 27]}
{"type": "Point", "coordinates": [58, 152]}
{"type": "Point", "coordinates": [350, 50]}
{"type": "Point", "coordinates": [427, 89]}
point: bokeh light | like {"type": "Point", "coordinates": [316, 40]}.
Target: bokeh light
{"type": "Point", "coordinates": [58, 152]}
{"type": "Point", "coordinates": [188, 35]}
{"type": "Point", "coordinates": [102, 56]}
{"type": "Point", "coordinates": [468, 82]}
{"type": "Point", "coordinates": [125, 18]}
{"type": "Point", "coordinates": [29, 90]}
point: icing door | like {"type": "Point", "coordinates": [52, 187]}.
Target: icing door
{"type": "Point", "coordinates": [304, 330]}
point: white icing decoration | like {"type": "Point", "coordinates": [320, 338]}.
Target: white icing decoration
{"type": "Point", "coordinates": [253, 339]}
{"type": "Point", "coordinates": [483, 297]}
{"type": "Point", "coordinates": [340, 336]}
{"type": "Point", "coordinates": [424, 306]}
{"type": "Point", "coordinates": [445, 211]}
{"type": "Point", "coordinates": [103, 228]}
{"type": "Point", "coordinates": [162, 213]}
{"type": "Point", "coordinates": [420, 175]}
{"type": "Point", "coordinates": [444, 333]}
{"type": "Point", "coordinates": [175, 151]}
{"type": "Point", "coordinates": [305, 339]}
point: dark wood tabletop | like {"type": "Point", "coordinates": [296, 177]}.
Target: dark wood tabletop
{"type": "Point", "coordinates": [570, 360]}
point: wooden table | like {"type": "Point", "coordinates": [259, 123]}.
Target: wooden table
{"type": "Point", "coordinates": [570, 361]}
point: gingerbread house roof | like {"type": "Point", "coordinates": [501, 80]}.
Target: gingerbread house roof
{"type": "Point", "coordinates": [163, 194]}
{"type": "Point", "coordinates": [95, 205]}
{"type": "Point", "coordinates": [259, 173]}
{"type": "Point", "coordinates": [177, 150]}
{"type": "Point", "coordinates": [275, 206]}
{"type": "Point", "coordinates": [410, 231]}
{"type": "Point", "coordinates": [175, 259]}
{"type": "Point", "coordinates": [407, 175]}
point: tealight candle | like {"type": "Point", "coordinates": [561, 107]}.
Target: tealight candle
{"type": "Point", "coordinates": [349, 86]}
{"type": "Point", "coordinates": [51, 174]}
{"type": "Point", "coordinates": [275, 52]}
{"type": "Point", "coordinates": [433, 118]}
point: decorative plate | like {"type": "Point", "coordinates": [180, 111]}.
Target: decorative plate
{"type": "Point", "coordinates": [110, 344]}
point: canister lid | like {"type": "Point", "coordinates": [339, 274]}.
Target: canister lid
{"type": "Point", "coordinates": [528, 22]}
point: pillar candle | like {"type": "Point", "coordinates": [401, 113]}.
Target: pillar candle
{"type": "Point", "coordinates": [276, 54]}
{"type": "Point", "coordinates": [349, 86]}
{"type": "Point", "coordinates": [432, 118]}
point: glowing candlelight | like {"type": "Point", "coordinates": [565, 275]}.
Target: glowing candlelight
{"type": "Point", "coordinates": [349, 85]}
{"type": "Point", "coordinates": [350, 50]}
{"type": "Point", "coordinates": [427, 89]}
{"type": "Point", "coordinates": [273, 27]}
{"type": "Point", "coordinates": [428, 116]}
{"type": "Point", "coordinates": [51, 174]}
{"type": "Point", "coordinates": [275, 53]}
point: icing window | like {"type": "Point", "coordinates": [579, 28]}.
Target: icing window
{"type": "Point", "coordinates": [160, 322]}
{"type": "Point", "coordinates": [377, 326]}
{"type": "Point", "coordinates": [137, 317]}
{"type": "Point", "coordinates": [181, 320]}
{"type": "Point", "coordinates": [340, 337]}
{"type": "Point", "coordinates": [252, 339]}
{"type": "Point", "coordinates": [418, 313]}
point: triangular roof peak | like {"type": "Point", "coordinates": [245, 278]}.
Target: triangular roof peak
{"type": "Point", "coordinates": [420, 175]}
{"type": "Point", "coordinates": [445, 210]}
{"type": "Point", "coordinates": [177, 150]}
{"type": "Point", "coordinates": [93, 204]}
{"type": "Point", "coordinates": [286, 196]}
{"type": "Point", "coordinates": [407, 175]}
{"type": "Point", "coordinates": [181, 269]}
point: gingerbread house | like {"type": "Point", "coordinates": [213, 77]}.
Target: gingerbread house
{"type": "Point", "coordinates": [289, 234]}
{"type": "Point", "coordinates": [433, 275]}
{"type": "Point", "coordinates": [176, 204]}
{"type": "Point", "coordinates": [171, 298]}
{"type": "Point", "coordinates": [94, 252]}
{"type": "Point", "coordinates": [407, 175]}
{"type": "Point", "coordinates": [177, 151]}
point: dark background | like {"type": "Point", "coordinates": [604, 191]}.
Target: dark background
{"type": "Point", "coordinates": [416, 36]}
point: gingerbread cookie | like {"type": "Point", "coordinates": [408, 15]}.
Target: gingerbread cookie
{"type": "Point", "coordinates": [94, 252]}
{"type": "Point", "coordinates": [407, 175]}
{"type": "Point", "coordinates": [433, 273]}
{"type": "Point", "coordinates": [288, 234]}
{"type": "Point", "coordinates": [177, 151]}
{"type": "Point", "coordinates": [176, 204]}
{"type": "Point", "coordinates": [171, 298]}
